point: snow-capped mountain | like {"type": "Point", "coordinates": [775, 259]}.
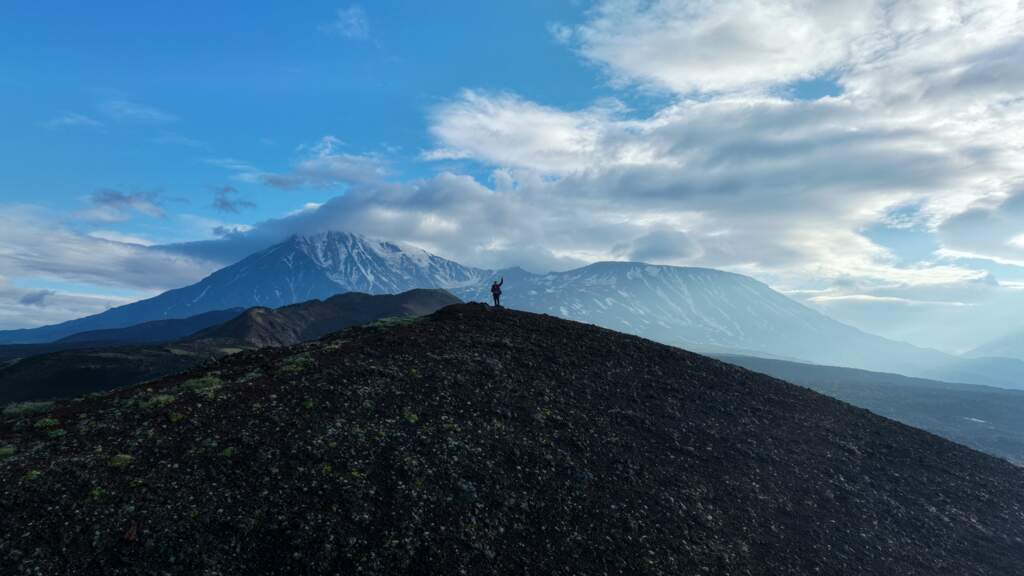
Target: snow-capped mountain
{"type": "Point", "coordinates": [697, 308]}
{"type": "Point", "coordinates": [301, 268]}
{"type": "Point", "coordinates": [713, 311]}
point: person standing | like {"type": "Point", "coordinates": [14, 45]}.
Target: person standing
{"type": "Point", "coordinates": [496, 292]}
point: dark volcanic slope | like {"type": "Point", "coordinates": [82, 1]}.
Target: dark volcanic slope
{"type": "Point", "coordinates": [477, 441]}
{"type": "Point", "coordinates": [310, 320]}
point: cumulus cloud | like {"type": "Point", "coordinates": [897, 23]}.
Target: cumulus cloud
{"type": "Point", "coordinates": [880, 48]}
{"type": "Point", "coordinates": [688, 46]}
{"type": "Point", "coordinates": [349, 22]}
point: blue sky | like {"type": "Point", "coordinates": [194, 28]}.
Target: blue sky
{"type": "Point", "coordinates": [197, 82]}
{"type": "Point", "coordinates": [864, 157]}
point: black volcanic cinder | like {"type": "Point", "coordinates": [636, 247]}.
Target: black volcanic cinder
{"type": "Point", "coordinates": [482, 441]}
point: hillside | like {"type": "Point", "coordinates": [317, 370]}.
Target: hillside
{"type": "Point", "coordinates": [97, 367]}
{"type": "Point", "coordinates": [259, 327]}
{"type": "Point", "coordinates": [982, 417]}
{"type": "Point", "coordinates": [478, 441]}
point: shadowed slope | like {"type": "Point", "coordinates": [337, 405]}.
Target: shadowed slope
{"type": "Point", "coordinates": [480, 441]}
{"type": "Point", "coordinates": [310, 320]}
{"type": "Point", "coordinates": [80, 371]}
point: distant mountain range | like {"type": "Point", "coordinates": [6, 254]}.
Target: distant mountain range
{"type": "Point", "coordinates": [1010, 346]}
{"type": "Point", "coordinates": [701, 309]}
{"type": "Point", "coordinates": [91, 367]}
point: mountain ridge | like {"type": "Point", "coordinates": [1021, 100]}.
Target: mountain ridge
{"type": "Point", "coordinates": [702, 309]}
{"type": "Point", "coordinates": [85, 369]}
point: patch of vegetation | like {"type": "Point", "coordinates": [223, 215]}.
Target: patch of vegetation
{"type": "Point", "coordinates": [56, 433]}
{"type": "Point", "coordinates": [120, 460]}
{"type": "Point", "coordinates": [228, 452]}
{"type": "Point", "coordinates": [395, 322]}
{"type": "Point", "coordinates": [47, 423]}
{"type": "Point", "coordinates": [410, 416]}
{"type": "Point", "coordinates": [97, 493]}
{"type": "Point", "coordinates": [8, 451]}
{"type": "Point", "coordinates": [298, 363]}
{"type": "Point", "coordinates": [206, 386]}
{"type": "Point", "coordinates": [251, 375]}
{"type": "Point", "coordinates": [175, 417]}
{"type": "Point", "coordinates": [158, 401]}
{"type": "Point", "coordinates": [33, 475]}
{"type": "Point", "coordinates": [21, 408]}
{"type": "Point", "coordinates": [309, 404]}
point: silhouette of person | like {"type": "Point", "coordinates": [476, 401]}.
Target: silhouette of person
{"type": "Point", "coordinates": [496, 292]}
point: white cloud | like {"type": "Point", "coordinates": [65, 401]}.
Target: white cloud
{"type": "Point", "coordinates": [505, 130]}
{"type": "Point", "coordinates": [115, 236]}
{"type": "Point", "coordinates": [887, 299]}
{"type": "Point", "coordinates": [27, 307]}
{"type": "Point", "coordinates": [688, 46]}
{"type": "Point", "coordinates": [325, 167]}
{"type": "Point", "coordinates": [72, 119]}
{"type": "Point", "coordinates": [349, 22]}
{"type": "Point", "coordinates": [881, 48]}
{"type": "Point", "coordinates": [34, 244]}
{"type": "Point", "coordinates": [126, 110]}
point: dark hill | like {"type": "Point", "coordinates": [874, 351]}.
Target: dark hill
{"type": "Point", "coordinates": [145, 333]}
{"type": "Point", "coordinates": [260, 327]}
{"type": "Point", "coordinates": [96, 368]}
{"type": "Point", "coordinates": [476, 441]}
{"type": "Point", "coordinates": [156, 330]}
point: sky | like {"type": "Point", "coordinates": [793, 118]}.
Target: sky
{"type": "Point", "coordinates": [863, 157]}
